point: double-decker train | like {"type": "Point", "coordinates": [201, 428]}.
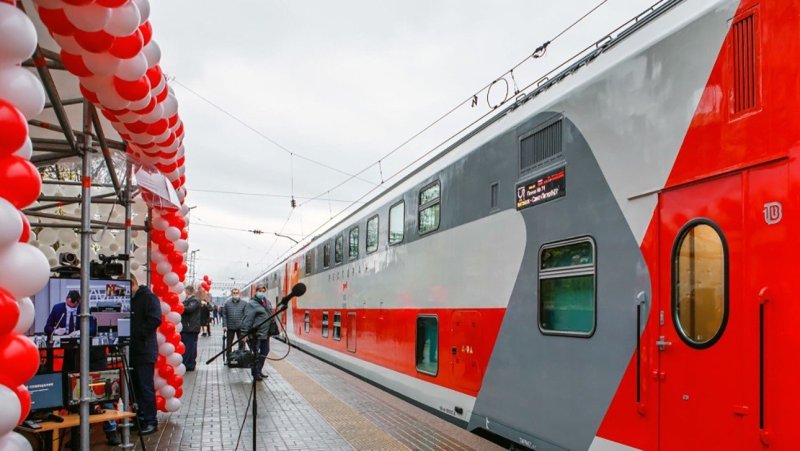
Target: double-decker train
{"type": "Point", "coordinates": [604, 265]}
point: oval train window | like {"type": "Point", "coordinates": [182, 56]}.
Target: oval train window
{"type": "Point", "coordinates": [700, 291]}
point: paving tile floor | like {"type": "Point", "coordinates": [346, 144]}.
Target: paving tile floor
{"type": "Point", "coordinates": [305, 404]}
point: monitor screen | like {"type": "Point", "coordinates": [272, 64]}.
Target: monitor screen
{"type": "Point", "coordinates": [109, 303]}
{"type": "Point", "coordinates": [47, 391]}
{"type": "Point", "coordinates": [103, 386]}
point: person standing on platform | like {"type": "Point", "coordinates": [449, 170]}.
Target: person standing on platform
{"type": "Point", "coordinates": [256, 311]}
{"type": "Point", "coordinates": [232, 314]}
{"type": "Point", "coordinates": [191, 328]}
{"type": "Point", "coordinates": [205, 313]}
{"type": "Point", "coordinates": [145, 319]}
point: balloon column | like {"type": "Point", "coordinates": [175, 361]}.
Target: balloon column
{"type": "Point", "coordinates": [108, 45]}
{"type": "Point", "coordinates": [23, 268]}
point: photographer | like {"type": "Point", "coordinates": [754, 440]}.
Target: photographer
{"type": "Point", "coordinates": [256, 311]}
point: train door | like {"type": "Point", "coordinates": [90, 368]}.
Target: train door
{"type": "Point", "coordinates": [351, 331]}
{"type": "Point", "coordinates": [465, 335]}
{"type": "Point", "coordinates": [705, 363]}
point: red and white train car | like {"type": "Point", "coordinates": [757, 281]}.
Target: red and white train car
{"type": "Point", "coordinates": [605, 265]}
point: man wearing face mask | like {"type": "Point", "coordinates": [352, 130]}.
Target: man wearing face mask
{"type": "Point", "coordinates": [256, 311]}
{"type": "Point", "coordinates": [232, 314]}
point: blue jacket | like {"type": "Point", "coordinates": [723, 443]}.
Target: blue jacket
{"type": "Point", "coordinates": [145, 319]}
{"type": "Point", "coordinates": [58, 319]}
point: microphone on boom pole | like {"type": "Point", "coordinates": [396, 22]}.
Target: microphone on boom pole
{"type": "Point", "coordinates": [297, 291]}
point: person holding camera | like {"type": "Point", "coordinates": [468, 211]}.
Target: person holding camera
{"type": "Point", "coordinates": [256, 311]}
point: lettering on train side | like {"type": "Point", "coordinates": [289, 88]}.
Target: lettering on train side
{"type": "Point", "coordinates": [549, 186]}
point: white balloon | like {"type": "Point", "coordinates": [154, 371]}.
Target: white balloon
{"type": "Point", "coordinates": [153, 53]}
{"type": "Point", "coordinates": [74, 245]}
{"type": "Point", "coordinates": [182, 246]}
{"type": "Point", "coordinates": [165, 308]}
{"type": "Point", "coordinates": [9, 414]}
{"type": "Point", "coordinates": [140, 254]}
{"type": "Point", "coordinates": [124, 20]}
{"type": "Point", "coordinates": [134, 265]}
{"type": "Point", "coordinates": [23, 89]}
{"type": "Point", "coordinates": [175, 359]}
{"type": "Point", "coordinates": [91, 17]}
{"type": "Point", "coordinates": [177, 288]}
{"type": "Point", "coordinates": [10, 221]}
{"type": "Point", "coordinates": [69, 44]}
{"type": "Point", "coordinates": [168, 391]}
{"type": "Point", "coordinates": [144, 9]}
{"type": "Point", "coordinates": [132, 69]}
{"type": "Point", "coordinates": [47, 236]}
{"type": "Point", "coordinates": [174, 317]}
{"type": "Point", "coordinates": [184, 210]}
{"type": "Point", "coordinates": [139, 104]}
{"type": "Point", "coordinates": [103, 64]}
{"type": "Point", "coordinates": [179, 327]}
{"type": "Point", "coordinates": [27, 313]}
{"type": "Point", "coordinates": [113, 100]}
{"type": "Point", "coordinates": [114, 247]}
{"type": "Point", "coordinates": [17, 36]}
{"type": "Point", "coordinates": [67, 235]}
{"type": "Point", "coordinates": [24, 270]}
{"type": "Point", "coordinates": [170, 106]}
{"type": "Point", "coordinates": [14, 442]}
{"type": "Point", "coordinates": [173, 404]}
{"type": "Point", "coordinates": [163, 267]}
{"type": "Point", "coordinates": [159, 382]}
{"type": "Point", "coordinates": [160, 223]}
{"type": "Point", "coordinates": [154, 115]}
{"type": "Point", "coordinates": [180, 370]}
{"type": "Point", "coordinates": [171, 279]}
{"type": "Point", "coordinates": [160, 338]}
{"type": "Point", "coordinates": [166, 349]}
{"type": "Point", "coordinates": [156, 255]}
{"type": "Point", "coordinates": [173, 233]}
{"type": "Point", "coordinates": [50, 254]}
{"type": "Point", "coordinates": [26, 150]}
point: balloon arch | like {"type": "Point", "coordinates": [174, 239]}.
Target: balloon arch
{"type": "Point", "coordinates": [98, 54]}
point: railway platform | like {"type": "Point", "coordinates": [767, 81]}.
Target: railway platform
{"type": "Point", "coordinates": [304, 404]}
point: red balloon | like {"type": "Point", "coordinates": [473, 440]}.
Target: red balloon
{"type": "Point", "coordinates": [94, 41]}
{"type": "Point", "coordinates": [75, 64]}
{"type": "Point", "coordinates": [147, 32]}
{"type": "Point", "coordinates": [167, 328]}
{"type": "Point", "coordinates": [9, 312]}
{"type": "Point", "coordinates": [176, 381]}
{"type": "Point", "coordinates": [150, 107]}
{"type": "Point", "coordinates": [174, 120]}
{"type": "Point", "coordinates": [162, 95]}
{"type": "Point", "coordinates": [78, 2]}
{"type": "Point", "coordinates": [111, 3]}
{"type": "Point", "coordinates": [166, 248]}
{"type": "Point", "coordinates": [166, 371]}
{"type": "Point", "coordinates": [56, 21]}
{"type": "Point", "coordinates": [132, 90]}
{"type": "Point", "coordinates": [155, 75]}
{"type": "Point", "coordinates": [26, 229]}
{"type": "Point", "coordinates": [178, 392]}
{"type": "Point", "coordinates": [19, 360]}
{"type": "Point", "coordinates": [136, 126]}
{"type": "Point", "coordinates": [175, 339]}
{"type": "Point", "coordinates": [158, 127]}
{"type": "Point", "coordinates": [21, 182]}
{"type": "Point", "coordinates": [24, 401]}
{"type": "Point", "coordinates": [160, 361]}
{"type": "Point", "coordinates": [127, 47]}
{"type": "Point", "coordinates": [167, 142]}
{"type": "Point", "coordinates": [13, 128]}
{"type": "Point", "coordinates": [175, 258]}
{"type": "Point", "coordinates": [179, 308]}
{"type": "Point", "coordinates": [204, 286]}
{"type": "Point", "coordinates": [184, 232]}
{"type": "Point", "coordinates": [161, 403]}
{"type": "Point", "coordinates": [89, 95]}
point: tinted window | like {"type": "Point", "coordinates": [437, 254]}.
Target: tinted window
{"type": "Point", "coordinates": [353, 242]}
{"type": "Point", "coordinates": [339, 250]}
{"type": "Point", "coordinates": [372, 234]}
{"type": "Point", "coordinates": [429, 208]}
{"type": "Point", "coordinates": [325, 324]}
{"type": "Point", "coordinates": [396, 222]}
{"type": "Point", "coordinates": [326, 255]}
{"type": "Point", "coordinates": [427, 349]}
{"type": "Point", "coordinates": [309, 262]}
{"type": "Point", "coordinates": [337, 326]}
{"type": "Point", "coordinates": [567, 288]}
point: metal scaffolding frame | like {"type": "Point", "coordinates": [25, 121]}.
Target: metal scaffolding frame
{"type": "Point", "coordinates": [81, 143]}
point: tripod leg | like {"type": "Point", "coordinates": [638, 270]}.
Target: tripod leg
{"type": "Point", "coordinates": [126, 370]}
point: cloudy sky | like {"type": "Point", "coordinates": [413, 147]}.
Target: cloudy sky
{"type": "Point", "coordinates": [341, 83]}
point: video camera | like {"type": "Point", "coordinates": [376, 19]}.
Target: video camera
{"type": "Point", "coordinates": [106, 268]}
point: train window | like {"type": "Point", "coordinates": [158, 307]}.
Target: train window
{"type": "Point", "coordinates": [337, 326]}
{"type": "Point", "coordinates": [427, 352]}
{"type": "Point", "coordinates": [429, 208]}
{"type": "Point", "coordinates": [372, 234]}
{"type": "Point", "coordinates": [353, 243]}
{"type": "Point", "coordinates": [397, 216]}
{"type": "Point", "coordinates": [700, 285]}
{"type": "Point", "coordinates": [567, 288]}
{"type": "Point", "coordinates": [307, 322]}
{"type": "Point", "coordinates": [493, 195]}
{"type": "Point", "coordinates": [309, 262]}
{"type": "Point", "coordinates": [325, 324]}
{"type": "Point", "coordinates": [338, 252]}
{"type": "Point", "coordinates": [326, 255]}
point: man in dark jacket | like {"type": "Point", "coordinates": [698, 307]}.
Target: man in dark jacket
{"type": "Point", "coordinates": [191, 327]}
{"type": "Point", "coordinates": [256, 311]}
{"type": "Point", "coordinates": [145, 319]}
{"type": "Point", "coordinates": [232, 314]}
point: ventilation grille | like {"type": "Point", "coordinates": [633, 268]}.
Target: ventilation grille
{"type": "Point", "coordinates": [540, 147]}
{"type": "Point", "coordinates": [745, 83]}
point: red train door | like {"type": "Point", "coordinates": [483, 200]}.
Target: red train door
{"type": "Point", "coordinates": [705, 364]}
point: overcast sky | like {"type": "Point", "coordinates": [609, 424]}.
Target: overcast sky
{"type": "Point", "coordinates": [339, 82]}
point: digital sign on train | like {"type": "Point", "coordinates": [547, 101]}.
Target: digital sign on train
{"type": "Point", "coordinates": [549, 186]}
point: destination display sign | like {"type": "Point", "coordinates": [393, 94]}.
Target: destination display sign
{"type": "Point", "coordinates": [549, 186]}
